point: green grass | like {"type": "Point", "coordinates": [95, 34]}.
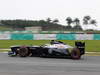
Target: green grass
{"type": "Point", "coordinates": [3, 28]}
{"type": "Point", "coordinates": [91, 45]}
{"type": "Point", "coordinates": [4, 50]}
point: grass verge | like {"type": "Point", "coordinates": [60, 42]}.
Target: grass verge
{"type": "Point", "coordinates": [91, 45]}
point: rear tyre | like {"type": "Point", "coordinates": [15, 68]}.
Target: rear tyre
{"type": "Point", "coordinates": [23, 51]}
{"type": "Point", "coordinates": [75, 54]}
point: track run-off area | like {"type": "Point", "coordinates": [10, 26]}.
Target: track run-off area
{"type": "Point", "coordinates": [89, 65]}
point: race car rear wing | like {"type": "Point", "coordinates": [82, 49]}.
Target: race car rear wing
{"type": "Point", "coordinates": [80, 46]}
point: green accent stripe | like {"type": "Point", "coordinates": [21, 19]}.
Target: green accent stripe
{"type": "Point", "coordinates": [65, 36]}
{"type": "Point", "coordinates": [22, 36]}
{"type": "Point", "coordinates": [96, 37]}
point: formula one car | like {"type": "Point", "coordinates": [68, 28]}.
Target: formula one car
{"type": "Point", "coordinates": [54, 49]}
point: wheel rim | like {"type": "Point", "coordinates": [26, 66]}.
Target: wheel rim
{"type": "Point", "coordinates": [23, 51]}
{"type": "Point", "coordinates": [75, 54]}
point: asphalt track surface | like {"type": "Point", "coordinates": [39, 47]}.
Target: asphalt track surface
{"type": "Point", "coordinates": [88, 65]}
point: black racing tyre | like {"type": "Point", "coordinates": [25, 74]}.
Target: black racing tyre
{"type": "Point", "coordinates": [23, 51]}
{"type": "Point", "coordinates": [75, 54]}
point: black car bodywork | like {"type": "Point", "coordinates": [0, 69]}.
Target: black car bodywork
{"type": "Point", "coordinates": [47, 51]}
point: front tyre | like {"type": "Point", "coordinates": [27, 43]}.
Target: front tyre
{"type": "Point", "coordinates": [23, 51]}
